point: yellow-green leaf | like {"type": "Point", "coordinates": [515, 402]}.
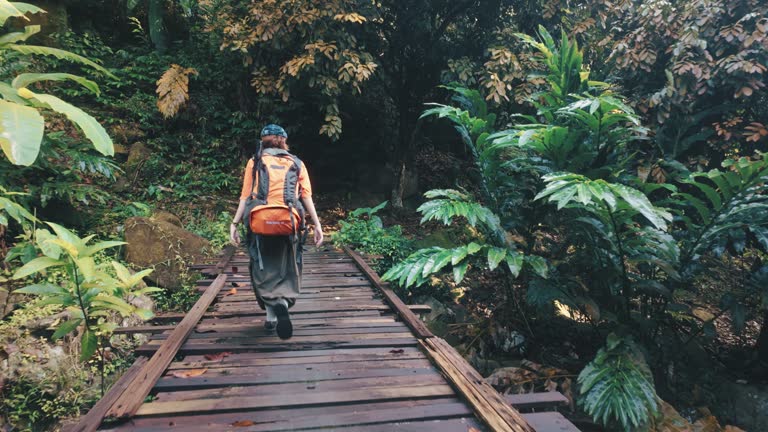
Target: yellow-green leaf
{"type": "Point", "coordinates": [21, 132]}
{"type": "Point", "coordinates": [93, 131]}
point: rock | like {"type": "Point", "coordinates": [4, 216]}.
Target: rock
{"type": "Point", "coordinates": [137, 155]}
{"type": "Point", "coordinates": [164, 246]}
{"type": "Point", "coordinates": [439, 311]}
{"type": "Point", "coordinates": [744, 405]}
{"type": "Point", "coordinates": [508, 341]}
{"type": "Point", "coordinates": [162, 215]}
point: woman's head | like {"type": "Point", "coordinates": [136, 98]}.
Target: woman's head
{"type": "Point", "coordinates": [274, 136]}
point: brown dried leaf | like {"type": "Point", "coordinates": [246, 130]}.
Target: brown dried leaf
{"type": "Point", "coordinates": [188, 373]}
{"type": "Point", "coordinates": [218, 356]}
{"type": "Point", "coordinates": [243, 423]}
{"type": "Point", "coordinates": [233, 291]}
{"type": "Point", "coordinates": [173, 90]}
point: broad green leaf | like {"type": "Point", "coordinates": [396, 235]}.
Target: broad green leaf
{"type": "Point", "coordinates": [7, 10]}
{"type": "Point", "coordinates": [538, 264]}
{"type": "Point", "coordinates": [458, 255]}
{"type": "Point", "coordinates": [88, 345]}
{"type": "Point", "coordinates": [91, 250]}
{"type": "Point", "coordinates": [94, 131]}
{"type": "Point", "coordinates": [25, 79]}
{"type": "Point", "coordinates": [21, 132]}
{"type": "Point", "coordinates": [14, 37]}
{"type": "Point", "coordinates": [63, 244]}
{"type": "Point", "coordinates": [114, 303]}
{"type": "Point", "coordinates": [35, 266]}
{"type": "Point", "coordinates": [495, 256]}
{"type": "Point", "coordinates": [42, 289]}
{"type": "Point", "coordinates": [459, 271]}
{"type": "Point", "coordinates": [638, 201]}
{"type": "Point", "coordinates": [87, 267]}
{"type": "Point", "coordinates": [49, 249]}
{"type": "Point", "coordinates": [11, 95]}
{"type": "Point", "coordinates": [26, 8]}
{"type": "Point", "coordinates": [65, 328]}
{"type": "Point", "coordinates": [514, 261]}
{"type": "Point", "coordinates": [473, 248]}
{"type": "Point", "coordinates": [66, 235]}
{"type": "Point", "coordinates": [107, 327]}
{"type": "Point", "coordinates": [59, 54]}
{"type": "Point", "coordinates": [122, 272]}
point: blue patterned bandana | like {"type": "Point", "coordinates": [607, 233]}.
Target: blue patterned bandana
{"type": "Point", "coordinates": [273, 129]}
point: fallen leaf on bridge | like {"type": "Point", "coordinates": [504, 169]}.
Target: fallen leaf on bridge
{"type": "Point", "coordinates": [233, 291]}
{"type": "Point", "coordinates": [188, 373]}
{"type": "Point", "coordinates": [243, 423]}
{"type": "Point", "coordinates": [217, 357]}
{"type": "Point", "coordinates": [396, 351]}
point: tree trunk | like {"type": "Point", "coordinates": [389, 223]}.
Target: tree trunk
{"type": "Point", "coordinates": [157, 31]}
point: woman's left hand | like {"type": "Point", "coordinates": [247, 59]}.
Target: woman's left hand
{"type": "Point", "coordinates": [318, 235]}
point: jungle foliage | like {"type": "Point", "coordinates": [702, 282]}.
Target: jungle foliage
{"type": "Point", "coordinates": [608, 153]}
{"type": "Point", "coordinates": [621, 248]}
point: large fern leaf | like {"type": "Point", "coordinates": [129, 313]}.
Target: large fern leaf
{"type": "Point", "coordinates": [616, 388]}
{"type": "Point", "coordinates": [567, 189]}
{"type": "Point", "coordinates": [446, 204]}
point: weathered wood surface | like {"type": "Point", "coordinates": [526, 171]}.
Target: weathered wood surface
{"type": "Point", "coordinates": [359, 360]}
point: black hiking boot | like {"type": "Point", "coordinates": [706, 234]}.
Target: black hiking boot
{"type": "Point", "coordinates": [270, 325]}
{"type": "Point", "coordinates": [284, 326]}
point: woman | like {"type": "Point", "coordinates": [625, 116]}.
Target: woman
{"type": "Point", "coordinates": [275, 260]}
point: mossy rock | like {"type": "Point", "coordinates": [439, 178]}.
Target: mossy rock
{"type": "Point", "coordinates": [164, 246]}
{"type": "Point", "coordinates": [162, 215]}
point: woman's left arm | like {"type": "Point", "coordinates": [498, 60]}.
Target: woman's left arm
{"type": "Point", "coordinates": [309, 205]}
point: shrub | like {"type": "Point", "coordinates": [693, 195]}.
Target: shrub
{"type": "Point", "coordinates": [365, 231]}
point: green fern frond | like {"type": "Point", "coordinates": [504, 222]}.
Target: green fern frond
{"type": "Point", "coordinates": [446, 204]}
{"type": "Point", "coordinates": [568, 189]}
{"type": "Point", "coordinates": [616, 388]}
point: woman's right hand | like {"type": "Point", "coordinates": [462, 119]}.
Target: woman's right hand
{"type": "Point", "coordinates": [234, 235]}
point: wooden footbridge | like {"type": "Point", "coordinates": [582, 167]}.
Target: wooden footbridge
{"type": "Point", "coordinates": [359, 360]}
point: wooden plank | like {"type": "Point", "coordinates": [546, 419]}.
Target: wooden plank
{"type": "Point", "coordinates": [226, 255]}
{"type": "Point", "coordinates": [260, 332]}
{"type": "Point", "coordinates": [537, 400]}
{"type": "Point", "coordinates": [299, 309]}
{"type": "Point", "coordinates": [284, 401]}
{"type": "Point", "coordinates": [301, 376]}
{"type": "Point", "coordinates": [143, 329]}
{"type": "Point", "coordinates": [132, 398]}
{"type": "Point", "coordinates": [91, 421]}
{"type": "Point", "coordinates": [488, 404]}
{"type": "Point", "coordinates": [224, 421]}
{"type": "Point", "coordinates": [300, 387]}
{"type": "Point", "coordinates": [265, 370]}
{"type": "Point", "coordinates": [302, 353]}
{"type": "Point", "coordinates": [207, 348]}
{"type": "Point", "coordinates": [406, 314]}
{"type": "Point", "coordinates": [550, 422]}
{"type": "Point", "coordinates": [243, 361]}
{"type": "Point", "coordinates": [443, 411]}
{"type": "Point", "coordinates": [450, 425]}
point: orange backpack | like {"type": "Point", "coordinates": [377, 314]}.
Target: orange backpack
{"type": "Point", "coordinates": [273, 207]}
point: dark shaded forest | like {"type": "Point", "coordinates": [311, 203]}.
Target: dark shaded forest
{"type": "Point", "coordinates": [578, 189]}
